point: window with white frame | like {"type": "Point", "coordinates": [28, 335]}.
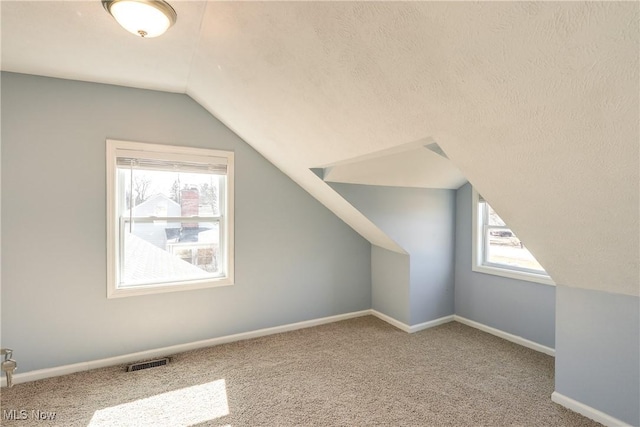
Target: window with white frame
{"type": "Point", "coordinates": [169, 218]}
{"type": "Point", "coordinates": [497, 250]}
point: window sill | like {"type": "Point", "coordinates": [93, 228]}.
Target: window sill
{"type": "Point", "coordinates": [511, 274]}
{"type": "Point", "coordinates": [131, 291]}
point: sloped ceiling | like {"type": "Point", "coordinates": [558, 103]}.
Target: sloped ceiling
{"type": "Point", "coordinates": [535, 103]}
{"type": "Point", "coordinates": [409, 165]}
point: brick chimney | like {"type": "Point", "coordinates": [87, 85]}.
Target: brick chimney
{"type": "Point", "coordinates": [189, 205]}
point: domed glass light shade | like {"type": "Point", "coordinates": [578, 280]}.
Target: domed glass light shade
{"type": "Point", "coordinates": [144, 18]}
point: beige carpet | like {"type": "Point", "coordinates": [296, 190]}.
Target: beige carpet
{"type": "Point", "coordinates": [359, 372]}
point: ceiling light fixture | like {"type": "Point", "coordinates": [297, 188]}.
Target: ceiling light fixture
{"type": "Point", "coordinates": [144, 18]}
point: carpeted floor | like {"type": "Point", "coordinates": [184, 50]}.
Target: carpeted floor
{"type": "Point", "coordinates": [359, 372]}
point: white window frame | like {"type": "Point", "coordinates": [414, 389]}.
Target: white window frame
{"type": "Point", "coordinates": [116, 148]}
{"type": "Point", "coordinates": [478, 263]}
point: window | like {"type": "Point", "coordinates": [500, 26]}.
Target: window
{"type": "Point", "coordinates": [497, 250]}
{"type": "Point", "coordinates": [169, 218]}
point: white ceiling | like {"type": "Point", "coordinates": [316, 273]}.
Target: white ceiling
{"type": "Point", "coordinates": [535, 103]}
{"type": "Point", "coordinates": [79, 40]}
{"type": "Point", "coordinates": [408, 165]}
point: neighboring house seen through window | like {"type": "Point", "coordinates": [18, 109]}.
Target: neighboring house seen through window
{"type": "Point", "coordinates": [170, 218]}
{"type": "Point", "coordinates": [497, 250]}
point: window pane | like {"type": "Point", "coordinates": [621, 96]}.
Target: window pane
{"type": "Point", "coordinates": [162, 193]}
{"type": "Point", "coordinates": [506, 249]}
{"type": "Point", "coordinates": [494, 218]}
{"type": "Point", "coordinates": [159, 251]}
{"type": "Point", "coordinates": [169, 251]}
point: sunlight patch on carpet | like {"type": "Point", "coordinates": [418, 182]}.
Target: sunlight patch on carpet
{"type": "Point", "coordinates": [179, 408]}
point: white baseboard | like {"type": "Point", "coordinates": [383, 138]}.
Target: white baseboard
{"type": "Point", "coordinates": [507, 336]}
{"type": "Point", "coordinates": [430, 324]}
{"type": "Point", "coordinates": [587, 411]}
{"type": "Point", "coordinates": [166, 351]}
{"type": "Point", "coordinates": [390, 320]}
{"type": "Point", "coordinates": [415, 328]}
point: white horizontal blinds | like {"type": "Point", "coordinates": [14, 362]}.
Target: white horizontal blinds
{"type": "Point", "coordinates": [171, 162]}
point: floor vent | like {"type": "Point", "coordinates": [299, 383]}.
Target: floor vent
{"type": "Point", "coordinates": [146, 365]}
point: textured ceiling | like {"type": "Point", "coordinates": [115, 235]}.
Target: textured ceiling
{"type": "Point", "coordinates": [535, 103]}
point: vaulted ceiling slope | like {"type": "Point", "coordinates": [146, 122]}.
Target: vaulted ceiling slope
{"type": "Point", "coordinates": [537, 104]}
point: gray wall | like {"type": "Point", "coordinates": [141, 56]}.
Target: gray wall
{"type": "Point", "coordinates": [390, 283]}
{"type": "Point", "coordinates": [422, 221]}
{"type": "Point", "coordinates": [598, 351]}
{"type": "Point", "coordinates": [295, 260]}
{"type": "Point", "coordinates": [522, 308]}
